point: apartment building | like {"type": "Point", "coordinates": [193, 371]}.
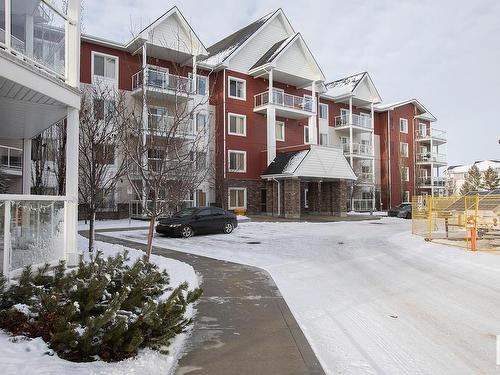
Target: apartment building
{"type": "Point", "coordinates": [39, 85]}
{"type": "Point", "coordinates": [456, 175]}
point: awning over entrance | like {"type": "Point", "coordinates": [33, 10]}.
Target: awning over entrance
{"type": "Point", "coordinates": [317, 162]}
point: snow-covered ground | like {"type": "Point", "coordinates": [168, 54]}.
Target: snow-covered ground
{"type": "Point", "coordinates": [369, 296]}
{"type": "Point", "coordinates": [107, 224]}
{"type": "Point", "coordinates": [28, 357]}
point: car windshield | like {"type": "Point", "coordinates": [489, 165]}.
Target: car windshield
{"type": "Point", "coordinates": [187, 212]}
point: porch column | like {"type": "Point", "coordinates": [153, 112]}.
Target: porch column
{"type": "Point", "coordinates": [72, 131]}
{"type": "Point", "coordinates": [292, 198]}
{"type": "Point", "coordinates": [351, 161]}
{"type": "Point", "coordinates": [195, 71]}
{"type": "Point", "coordinates": [313, 119]}
{"type": "Point", "coordinates": [271, 123]}
{"type": "Point", "coordinates": [26, 166]}
{"type": "Point", "coordinates": [373, 155]}
{"type": "Point", "coordinates": [145, 118]}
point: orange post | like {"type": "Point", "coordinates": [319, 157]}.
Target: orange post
{"type": "Point", "coordinates": [473, 243]}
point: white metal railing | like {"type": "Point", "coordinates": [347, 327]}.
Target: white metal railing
{"type": "Point", "coordinates": [11, 157]}
{"type": "Point", "coordinates": [435, 181]}
{"type": "Point", "coordinates": [32, 231]}
{"type": "Point", "coordinates": [283, 99]}
{"type": "Point", "coordinates": [362, 149]}
{"type": "Point", "coordinates": [357, 120]}
{"type": "Point", "coordinates": [431, 157]}
{"type": "Point", "coordinates": [39, 38]}
{"type": "Point", "coordinates": [431, 133]}
{"type": "Point", "coordinates": [168, 125]}
{"type": "Point", "coordinates": [365, 177]}
{"type": "Point", "coordinates": [360, 204]}
{"type": "Point", "coordinates": [160, 79]}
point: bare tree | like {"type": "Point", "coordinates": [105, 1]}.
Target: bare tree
{"type": "Point", "coordinates": [99, 167]}
{"type": "Point", "coordinates": [167, 145]}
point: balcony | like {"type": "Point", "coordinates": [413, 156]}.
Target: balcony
{"type": "Point", "coordinates": [360, 205]}
{"type": "Point", "coordinates": [365, 178]}
{"type": "Point", "coordinates": [359, 122]}
{"type": "Point", "coordinates": [436, 182]}
{"type": "Point", "coordinates": [287, 105]}
{"type": "Point", "coordinates": [168, 126]}
{"type": "Point", "coordinates": [358, 150]}
{"type": "Point", "coordinates": [431, 158]}
{"type": "Point", "coordinates": [11, 160]}
{"type": "Point", "coordinates": [161, 82]}
{"type": "Point", "coordinates": [436, 135]}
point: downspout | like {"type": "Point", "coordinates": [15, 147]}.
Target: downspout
{"type": "Point", "coordinates": [224, 119]}
{"type": "Point", "coordinates": [414, 158]}
{"type": "Point", "coordinates": [279, 197]}
{"type": "Point", "coordinates": [389, 155]}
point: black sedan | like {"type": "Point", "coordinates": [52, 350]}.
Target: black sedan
{"type": "Point", "coordinates": [405, 212]}
{"type": "Point", "coordinates": [191, 221]}
{"type": "Point", "coordinates": [394, 212]}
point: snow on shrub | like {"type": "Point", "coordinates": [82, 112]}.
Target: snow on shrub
{"type": "Point", "coordinates": [104, 309]}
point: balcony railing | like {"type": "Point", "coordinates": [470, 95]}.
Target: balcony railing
{"type": "Point", "coordinates": [161, 125]}
{"type": "Point", "coordinates": [360, 204]}
{"type": "Point", "coordinates": [431, 157]}
{"type": "Point", "coordinates": [365, 177]}
{"type": "Point", "coordinates": [427, 181]}
{"type": "Point", "coordinates": [32, 231]}
{"type": "Point", "coordinates": [282, 99]}
{"type": "Point", "coordinates": [11, 157]}
{"type": "Point", "coordinates": [361, 149]}
{"type": "Point", "coordinates": [357, 120]}
{"type": "Point", "coordinates": [431, 133]}
{"type": "Point", "coordinates": [37, 36]}
{"type": "Point", "coordinates": [160, 79]}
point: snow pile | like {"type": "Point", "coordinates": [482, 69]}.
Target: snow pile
{"type": "Point", "coordinates": [21, 356]}
{"type": "Point", "coordinates": [295, 161]}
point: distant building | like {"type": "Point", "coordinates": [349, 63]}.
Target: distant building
{"type": "Point", "coordinates": [457, 174]}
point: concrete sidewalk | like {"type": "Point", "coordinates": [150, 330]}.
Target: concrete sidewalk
{"type": "Point", "coordinates": [243, 325]}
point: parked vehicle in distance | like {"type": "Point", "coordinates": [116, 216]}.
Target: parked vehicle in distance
{"type": "Point", "coordinates": [395, 210]}
{"type": "Point", "coordinates": [197, 220]}
{"type": "Point", "coordinates": [405, 212]}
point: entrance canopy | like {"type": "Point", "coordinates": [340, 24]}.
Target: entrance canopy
{"type": "Point", "coordinates": [317, 162]}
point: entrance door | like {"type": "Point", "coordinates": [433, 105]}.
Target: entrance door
{"type": "Point", "coordinates": [263, 200]}
{"type": "Point", "coordinates": [201, 198]}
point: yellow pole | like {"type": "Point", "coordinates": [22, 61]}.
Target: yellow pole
{"type": "Point", "coordinates": [430, 218]}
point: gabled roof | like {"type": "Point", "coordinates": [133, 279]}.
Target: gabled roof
{"type": "Point", "coordinates": [345, 87]}
{"type": "Point", "coordinates": [426, 114]}
{"type": "Point", "coordinates": [271, 54]}
{"type": "Point", "coordinates": [482, 165]}
{"type": "Point", "coordinates": [319, 162]}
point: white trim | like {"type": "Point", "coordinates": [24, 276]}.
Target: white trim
{"type": "Point", "coordinates": [244, 117]}
{"type": "Point", "coordinates": [327, 111]}
{"type": "Point", "coordinates": [244, 153]}
{"type": "Point", "coordinates": [405, 120]}
{"type": "Point", "coordinates": [308, 135]}
{"type": "Point", "coordinates": [244, 189]}
{"type": "Point", "coordinates": [306, 198]}
{"type": "Point", "coordinates": [401, 149]}
{"type": "Point", "coordinates": [229, 78]}
{"type": "Point", "coordinates": [117, 67]}
{"type": "Point", "coordinates": [280, 139]}
{"type": "Point", "coordinates": [407, 174]}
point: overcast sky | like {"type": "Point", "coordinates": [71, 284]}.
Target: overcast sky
{"type": "Point", "coordinates": [446, 53]}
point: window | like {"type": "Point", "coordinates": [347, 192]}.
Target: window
{"type": "Point", "coordinates": [306, 134]}
{"type": "Point", "coordinates": [406, 196]}
{"type": "Point", "coordinates": [280, 131]}
{"type": "Point", "coordinates": [105, 66]}
{"type": "Point", "coordinates": [403, 125]}
{"type": "Point", "coordinates": [103, 109]}
{"type": "Point", "coordinates": [422, 129]}
{"type": "Point", "coordinates": [405, 174]}
{"type": "Point", "coordinates": [323, 139]}
{"type": "Point", "coordinates": [237, 198]}
{"type": "Point", "coordinates": [201, 121]}
{"type": "Point", "coordinates": [201, 160]}
{"type": "Point", "coordinates": [306, 199]}
{"type": "Point", "coordinates": [237, 88]}
{"type": "Point", "coordinates": [237, 161]}
{"type": "Point", "coordinates": [237, 124]}
{"type": "Point", "coordinates": [323, 111]}
{"type": "Point", "coordinates": [201, 85]}
{"type": "Point", "coordinates": [105, 154]}
{"type": "Point", "coordinates": [403, 149]}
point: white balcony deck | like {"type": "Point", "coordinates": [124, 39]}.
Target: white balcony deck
{"type": "Point", "coordinates": [11, 160]}
{"type": "Point", "coordinates": [161, 125]}
{"type": "Point", "coordinates": [436, 135]}
{"type": "Point", "coordinates": [431, 158]}
{"type": "Point", "coordinates": [359, 150]}
{"type": "Point", "coordinates": [360, 205]}
{"type": "Point", "coordinates": [360, 123]}
{"type": "Point", "coordinates": [162, 83]}
{"type": "Point", "coordinates": [427, 182]}
{"type": "Point", "coordinates": [287, 105]}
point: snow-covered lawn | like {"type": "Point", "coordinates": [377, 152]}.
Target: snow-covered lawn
{"type": "Point", "coordinates": [369, 296]}
{"type": "Point", "coordinates": [31, 356]}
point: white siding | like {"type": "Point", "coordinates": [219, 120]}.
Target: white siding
{"type": "Point", "coordinates": [294, 62]}
{"type": "Point", "coordinates": [325, 162]}
{"type": "Point", "coordinates": [171, 34]}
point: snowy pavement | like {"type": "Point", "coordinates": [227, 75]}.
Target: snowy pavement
{"type": "Point", "coordinates": [369, 296]}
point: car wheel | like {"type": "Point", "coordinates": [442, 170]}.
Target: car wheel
{"type": "Point", "coordinates": [228, 227]}
{"type": "Point", "coordinates": [186, 231]}
{"type": "Point", "coordinates": [408, 215]}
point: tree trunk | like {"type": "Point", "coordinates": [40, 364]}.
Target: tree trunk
{"type": "Point", "coordinates": [149, 246]}
{"type": "Point", "coordinates": [91, 231]}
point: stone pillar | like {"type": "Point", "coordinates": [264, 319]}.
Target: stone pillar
{"type": "Point", "coordinates": [291, 194]}
{"type": "Point", "coordinates": [339, 198]}
{"type": "Point", "coordinates": [270, 198]}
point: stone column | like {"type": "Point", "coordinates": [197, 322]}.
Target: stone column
{"type": "Point", "coordinates": [291, 194]}
{"type": "Point", "coordinates": [339, 198]}
{"type": "Point", "coordinates": [270, 198]}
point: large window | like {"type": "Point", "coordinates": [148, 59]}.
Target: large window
{"type": "Point", "coordinates": [323, 139]}
{"type": "Point", "coordinates": [104, 66]}
{"type": "Point", "coordinates": [201, 85]}
{"type": "Point", "coordinates": [406, 174]}
{"type": "Point", "coordinates": [403, 125]}
{"type": "Point", "coordinates": [323, 111]}
{"type": "Point", "coordinates": [237, 88]}
{"type": "Point", "coordinates": [403, 149]}
{"type": "Point", "coordinates": [280, 131]}
{"type": "Point", "coordinates": [306, 134]}
{"type": "Point", "coordinates": [103, 109]}
{"type": "Point", "coordinates": [237, 161]}
{"type": "Point", "coordinates": [237, 124]}
{"type": "Point", "coordinates": [237, 198]}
